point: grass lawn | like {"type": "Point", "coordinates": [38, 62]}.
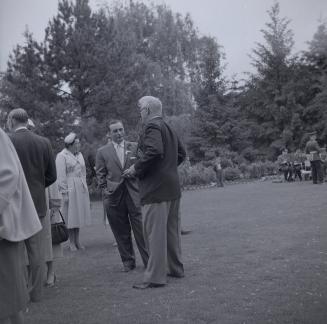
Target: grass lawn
{"type": "Point", "coordinates": [257, 253]}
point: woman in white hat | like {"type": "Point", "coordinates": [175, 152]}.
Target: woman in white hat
{"type": "Point", "coordinates": [71, 179]}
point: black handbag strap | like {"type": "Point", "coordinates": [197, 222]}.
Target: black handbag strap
{"type": "Point", "coordinates": [61, 216]}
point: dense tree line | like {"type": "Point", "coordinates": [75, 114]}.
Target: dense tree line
{"type": "Point", "coordinates": [93, 65]}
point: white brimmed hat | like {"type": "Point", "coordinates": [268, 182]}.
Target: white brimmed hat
{"type": "Point", "coordinates": [70, 138]}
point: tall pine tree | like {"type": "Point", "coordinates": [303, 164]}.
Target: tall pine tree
{"type": "Point", "coordinates": [267, 100]}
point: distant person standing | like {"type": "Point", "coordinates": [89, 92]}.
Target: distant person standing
{"type": "Point", "coordinates": [284, 163]}
{"type": "Point", "coordinates": [219, 172]}
{"type": "Point", "coordinates": [36, 157]}
{"type": "Point", "coordinates": [73, 188]}
{"type": "Point", "coordinates": [160, 153]}
{"type": "Point", "coordinates": [314, 150]}
{"type": "Point", "coordinates": [18, 221]}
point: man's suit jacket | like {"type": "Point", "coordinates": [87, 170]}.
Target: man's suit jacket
{"type": "Point", "coordinates": [160, 153]}
{"type": "Point", "coordinates": [109, 173]}
{"type": "Point", "coordinates": [36, 156]}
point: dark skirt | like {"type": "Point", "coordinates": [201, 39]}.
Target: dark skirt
{"type": "Point", "coordinates": [13, 290]}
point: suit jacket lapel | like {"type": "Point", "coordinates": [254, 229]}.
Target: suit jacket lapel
{"type": "Point", "coordinates": [115, 156]}
{"type": "Point", "coordinates": [125, 155]}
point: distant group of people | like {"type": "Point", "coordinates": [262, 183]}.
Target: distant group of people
{"type": "Point", "coordinates": [312, 161]}
{"type": "Point", "coordinates": [141, 193]}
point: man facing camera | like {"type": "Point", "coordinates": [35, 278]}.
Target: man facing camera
{"type": "Point", "coordinates": [121, 195]}
{"type": "Point", "coordinates": [160, 153]}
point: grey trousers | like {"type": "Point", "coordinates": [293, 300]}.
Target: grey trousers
{"type": "Point", "coordinates": [162, 234]}
{"type": "Point", "coordinates": [123, 219]}
{"type": "Point", "coordinates": [36, 257]}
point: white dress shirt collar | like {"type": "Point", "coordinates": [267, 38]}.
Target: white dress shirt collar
{"type": "Point", "coordinates": [20, 127]}
{"type": "Point", "coordinates": [119, 145]}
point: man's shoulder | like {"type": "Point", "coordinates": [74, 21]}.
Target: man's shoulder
{"type": "Point", "coordinates": [153, 126]}
{"type": "Point", "coordinates": [41, 141]}
{"type": "Point", "coordinates": [154, 123]}
{"type": "Point", "coordinates": [104, 148]}
{"type": "Point", "coordinates": [28, 136]}
{"type": "Point", "coordinates": [161, 125]}
{"type": "Point", "coordinates": [41, 138]}
{"type": "Point", "coordinates": [20, 134]}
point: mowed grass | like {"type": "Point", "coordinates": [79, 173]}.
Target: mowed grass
{"type": "Point", "coordinates": [257, 253]}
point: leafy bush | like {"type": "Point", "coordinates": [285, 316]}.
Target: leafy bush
{"type": "Point", "coordinates": [250, 154]}
{"type": "Point", "coordinates": [202, 173]}
{"type": "Point", "coordinates": [231, 173]}
{"type": "Point", "coordinates": [259, 169]}
{"type": "Point", "coordinates": [197, 174]}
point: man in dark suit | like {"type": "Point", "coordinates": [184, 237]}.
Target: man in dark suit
{"type": "Point", "coordinates": [36, 157]}
{"type": "Point", "coordinates": [121, 195]}
{"type": "Point", "coordinates": [160, 153]}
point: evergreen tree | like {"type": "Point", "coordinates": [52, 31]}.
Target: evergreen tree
{"type": "Point", "coordinates": [267, 100]}
{"type": "Point", "coordinates": [315, 113]}
{"type": "Point", "coordinates": [211, 112]}
{"type": "Point", "coordinates": [96, 65]}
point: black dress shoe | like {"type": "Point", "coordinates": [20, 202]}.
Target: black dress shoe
{"type": "Point", "coordinates": [128, 268]}
{"type": "Point", "coordinates": [145, 285]}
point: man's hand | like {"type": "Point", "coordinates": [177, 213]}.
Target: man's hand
{"type": "Point", "coordinates": [130, 172]}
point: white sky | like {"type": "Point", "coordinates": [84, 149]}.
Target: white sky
{"type": "Point", "coordinates": [235, 23]}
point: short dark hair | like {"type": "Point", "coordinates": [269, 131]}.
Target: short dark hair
{"type": "Point", "coordinates": [19, 114]}
{"type": "Point", "coordinates": [114, 121]}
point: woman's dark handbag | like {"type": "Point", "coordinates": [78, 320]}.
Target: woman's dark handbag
{"type": "Point", "coordinates": [59, 231]}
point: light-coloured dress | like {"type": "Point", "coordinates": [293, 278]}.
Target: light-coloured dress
{"type": "Point", "coordinates": [71, 179]}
